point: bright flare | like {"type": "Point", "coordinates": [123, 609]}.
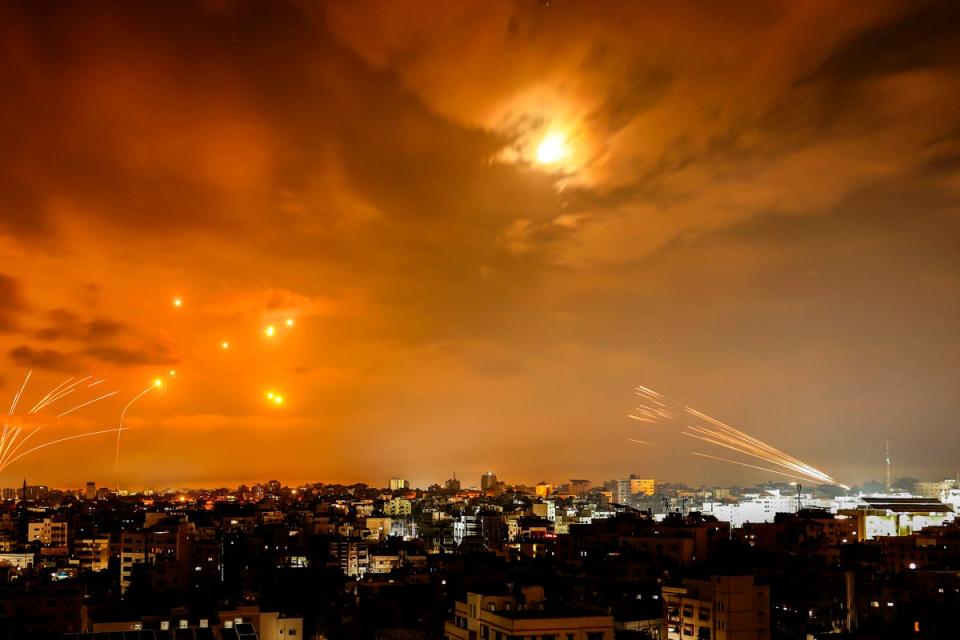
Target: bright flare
{"type": "Point", "coordinates": [552, 149]}
{"type": "Point", "coordinates": [269, 331]}
{"type": "Point", "coordinates": [289, 322]}
{"type": "Point", "coordinates": [224, 345]}
{"type": "Point", "coordinates": [158, 382]}
{"type": "Point", "coordinates": [177, 302]}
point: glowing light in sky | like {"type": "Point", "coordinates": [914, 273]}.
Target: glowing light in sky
{"type": "Point", "coordinates": [172, 372]}
{"type": "Point", "coordinates": [552, 149]}
{"type": "Point", "coordinates": [269, 331]}
{"type": "Point", "coordinates": [158, 382]}
{"type": "Point", "coordinates": [275, 398]}
{"type": "Point", "coordinates": [224, 345]}
{"type": "Point", "coordinates": [289, 322]}
{"type": "Point", "coordinates": [177, 302]}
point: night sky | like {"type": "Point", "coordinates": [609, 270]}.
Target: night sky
{"type": "Point", "coordinates": [487, 221]}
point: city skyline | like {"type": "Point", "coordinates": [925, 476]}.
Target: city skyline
{"type": "Point", "coordinates": [353, 240]}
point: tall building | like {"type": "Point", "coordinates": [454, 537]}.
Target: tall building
{"type": "Point", "coordinates": [48, 533]}
{"type": "Point", "coordinates": [397, 507]}
{"type": "Point", "coordinates": [92, 554]}
{"type": "Point", "coordinates": [580, 487]}
{"type": "Point", "coordinates": [399, 484]}
{"type": "Point", "coordinates": [351, 556]}
{"type": "Point", "coordinates": [721, 608]}
{"type": "Point", "coordinates": [642, 486]}
{"type": "Point", "coordinates": [488, 481]}
{"type": "Point", "coordinates": [91, 491]}
{"type": "Point", "coordinates": [452, 484]}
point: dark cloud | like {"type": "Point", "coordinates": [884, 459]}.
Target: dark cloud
{"type": "Point", "coordinates": [927, 36]}
{"type": "Point", "coordinates": [12, 303]}
{"type": "Point", "coordinates": [47, 359]}
{"type": "Point", "coordinates": [154, 354]}
{"type": "Point", "coordinates": [67, 325]}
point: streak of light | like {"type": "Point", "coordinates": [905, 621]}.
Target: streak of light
{"type": "Point", "coordinates": [744, 464]}
{"type": "Point", "coordinates": [87, 403]}
{"type": "Point", "coordinates": [656, 408]}
{"type": "Point", "coordinates": [807, 475]}
{"type": "Point", "coordinates": [58, 441]}
{"type": "Point", "coordinates": [62, 393]}
{"type": "Point", "coordinates": [16, 398]}
{"type": "Point", "coordinates": [123, 414]}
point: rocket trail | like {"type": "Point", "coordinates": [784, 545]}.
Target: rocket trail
{"type": "Point", "coordinates": [744, 464]}
{"type": "Point", "coordinates": [86, 404]}
{"type": "Point", "coordinates": [655, 408]}
{"type": "Point", "coordinates": [58, 441]}
{"type": "Point", "coordinates": [120, 428]}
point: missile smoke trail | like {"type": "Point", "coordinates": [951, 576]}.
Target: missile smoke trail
{"type": "Point", "coordinates": [655, 408]}
{"type": "Point", "coordinates": [120, 429]}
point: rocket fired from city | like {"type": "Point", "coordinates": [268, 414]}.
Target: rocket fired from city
{"type": "Point", "coordinates": [655, 408]}
{"type": "Point", "coordinates": [21, 429]}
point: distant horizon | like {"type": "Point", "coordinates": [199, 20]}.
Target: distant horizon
{"type": "Point", "coordinates": [286, 484]}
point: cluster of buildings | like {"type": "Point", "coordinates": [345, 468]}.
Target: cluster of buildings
{"type": "Point", "coordinates": [629, 558]}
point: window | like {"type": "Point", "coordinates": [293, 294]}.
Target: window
{"type": "Point", "coordinates": [595, 635]}
{"type": "Point", "coordinates": [484, 631]}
